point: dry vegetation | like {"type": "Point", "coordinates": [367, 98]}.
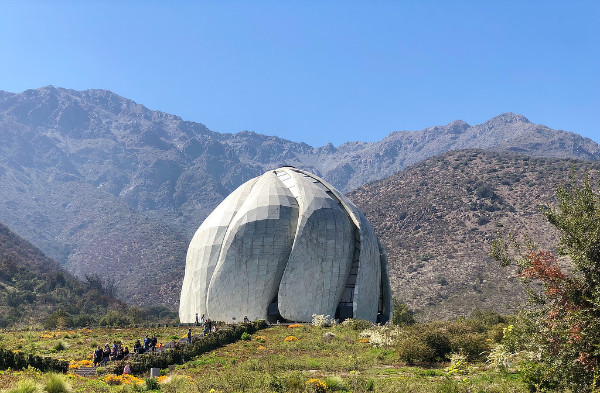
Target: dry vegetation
{"type": "Point", "coordinates": [437, 220]}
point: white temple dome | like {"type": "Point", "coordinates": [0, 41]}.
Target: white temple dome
{"type": "Point", "coordinates": [284, 246]}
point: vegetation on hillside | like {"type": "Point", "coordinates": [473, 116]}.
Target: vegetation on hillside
{"type": "Point", "coordinates": [36, 291]}
{"type": "Point", "coordinates": [437, 219]}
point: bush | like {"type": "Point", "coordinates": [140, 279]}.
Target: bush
{"type": "Point", "coordinates": [19, 361]}
{"type": "Point", "coordinates": [402, 315]}
{"type": "Point", "coordinates": [335, 384]}
{"type": "Point", "coordinates": [152, 384]}
{"type": "Point", "coordinates": [56, 384]}
{"type": "Point", "coordinates": [473, 345]}
{"type": "Point", "coordinates": [26, 386]}
{"type": "Point", "coordinates": [357, 324]}
{"type": "Point", "coordinates": [563, 327]}
{"type": "Point", "coordinates": [413, 349]}
{"type": "Point", "coordinates": [439, 344]}
{"type": "Point", "coordinates": [59, 346]}
{"type": "Point", "coordinates": [321, 320]}
{"type": "Point", "coordinates": [246, 336]}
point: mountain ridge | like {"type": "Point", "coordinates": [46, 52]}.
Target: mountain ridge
{"type": "Point", "coordinates": [99, 182]}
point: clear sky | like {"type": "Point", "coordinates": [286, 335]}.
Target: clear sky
{"type": "Point", "coordinates": [317, 71]}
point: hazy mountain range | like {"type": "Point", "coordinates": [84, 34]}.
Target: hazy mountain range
{"type": "Point", "coordinates": [104, 185]}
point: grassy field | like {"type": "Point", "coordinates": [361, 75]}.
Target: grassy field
{"type": "Point", "coordinates": [298, 358]}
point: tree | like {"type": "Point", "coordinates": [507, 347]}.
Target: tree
{"type": "Point", "coordinates": [402, 315]}
{"type": "Point", "coordinates": [563, 326]}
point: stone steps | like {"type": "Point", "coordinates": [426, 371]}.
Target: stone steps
{"type": "Point", "coordinates": [85, 371]}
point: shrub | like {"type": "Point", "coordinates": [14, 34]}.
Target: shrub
{"type": "Point", "coordinates": [412, 350]}
{"type": "Point", "coordinates": [26, 386]}
{"type": "Point", "coordinates": [246, 336]}
{"type": "Point", "coordinates": [439, 344]}
{"type": "Point", "coordinates": [152, 384]}
{"type": "Point", "coordinates": [357, 324]}
{"type": "Point", "coordinates": [563, 327]}
{"type": "Point", "coordinates": [335, 384]}
{"type": "Point", "coordinates": [402, 315]}
{"type": "Point", "coordinates": [316, 385]}
{"type": "Point", "coordinates": [321, 320]}
{"type": "Point", "coordinates": [59, 346]}
{"type": "Point", "coordinates": [473, 345]}
{"type": "Point", "coordinates": [56, 383]}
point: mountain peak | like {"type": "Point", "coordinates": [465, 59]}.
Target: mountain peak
{"type": "Point", "coordinates": [508, 117]}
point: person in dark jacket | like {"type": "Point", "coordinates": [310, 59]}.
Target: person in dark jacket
{"type": "Point", "coordinates": [97, 356]}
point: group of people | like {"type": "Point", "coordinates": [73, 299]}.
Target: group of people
{"type": "Point", "coordinates": [150, 345]}
{"type": "Point", "coordinates": [116, 352]}
{"type": "Point", "coordinates": [206, 324]}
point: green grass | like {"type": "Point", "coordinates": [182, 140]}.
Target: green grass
{"type": "Point", "coordinates": [273, 365]}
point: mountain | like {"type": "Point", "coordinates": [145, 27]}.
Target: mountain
{"type": "Point", "coordinates": [32, 286]}
{"type": "Point", "coordinates": [105, 186]}
{"type": "Point", "coordinates": [437, 220]}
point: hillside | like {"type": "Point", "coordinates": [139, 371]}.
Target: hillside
{"type": "Point", "coordinates": [32, 286]}
{"type": "Point", "coordinates": [437, 219]}
{"type": "Point", "coordinates": [105, 186]}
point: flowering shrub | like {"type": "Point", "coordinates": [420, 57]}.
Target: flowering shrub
{"type": "Point", "coordinates": [321, 320]}
{"type": "Point", "coordinates": [261, 339]}
{"type": "Point", "coordinates": [126, 379]}
{"type": "Point", "coordinates": [295, 325]}
{"type": "Point", "coordinates": [291, 338]}
{"type": "Point", "coordinates": [364, 340]}
{"type": "Point", "coordinates": [316, 385]}
{"type": "Point", "coordinates": [81, 363]}
{"type": "Point", "coordinates": [261, 347]}
{"type": "Point", "coordinates": [382, 336]}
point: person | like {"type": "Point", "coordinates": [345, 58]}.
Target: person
{"type": "Point", "coordinates": [137, 347]}
{"type": "Point", "coordinates": [202, 320]}
{"type": "Point", "coordinates": [246, 320]}
{"type": "Point", "coordinates": [113, 354]}
{"type": "Point", "coordinates": [127, 369]}
{"type": "Point", "coordinates": [126, 353]}
{"type": "Point", "coordinates": [160, 348]}
{"type": "Point", "coordinates": [146, 343]}
{"type": "Point", "coordinates": [189, 336]}
{"type": "Point", "coordinates": [153, 342]}
{"type": "Point", "coordinates": [106, 354]}
{"type": "Point", "coordinates": [97, 356]}
{"type": "Point", "coordinates": [196, 319]}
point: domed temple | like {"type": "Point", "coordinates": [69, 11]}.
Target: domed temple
{"type": "Point", "coordinates": [284, 246]}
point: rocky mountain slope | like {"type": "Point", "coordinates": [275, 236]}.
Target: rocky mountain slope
{"type": "Point", "coordinates": [106, 186]}
{"type": "Point", "coordinates": [32, 285]}
{"type": "Point", "coordinates": [437, 220]}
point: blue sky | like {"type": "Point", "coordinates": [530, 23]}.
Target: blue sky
{"type": "Point", "coordinates": [317, 71]}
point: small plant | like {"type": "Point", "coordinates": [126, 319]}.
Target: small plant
{"type": "Point", "coordinates": [321, 320]}
{"type": "Point", "coordinates": [56, 383]}
{"type": "Point", "coordinates": [328, 336]}
{"type": "Point", "coordinates": [261, 339]}
{"type": "Point", "coordinates": [316, 385]}
{"type": "Point", "coordinates": [152, 384]}
{"type": "Point", "coordinates": [246, 336]}
{"type": "Point", "coordinates": [291, 338]}
{"type": "Point", "coordinates": [357, 324]}
{"type": "Point", "coordinates": [59, 346]}
{"type": "Point", "coordinates": [26, 386]}
{"type": "Point", "coordinates": [335, 384]}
